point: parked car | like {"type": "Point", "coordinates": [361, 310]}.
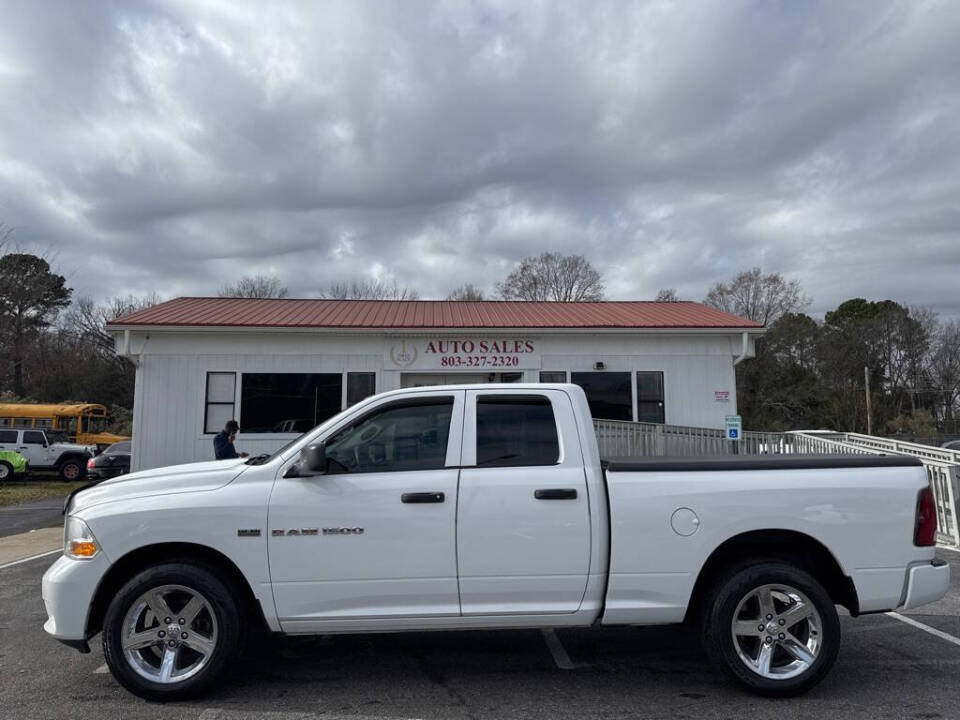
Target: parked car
{"type": "Point", "coordinates": [951, 445]}
{"type": "Point", "coordinates": [44, 453]}
{"type": "Point", "coordinates": [13, 465]}
{"type": "Point", "coordinates": [113, 461]}
{"type": "Point", "coordinates": [472, 507]}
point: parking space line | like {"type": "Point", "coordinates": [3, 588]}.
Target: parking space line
{"type": "Point", "coordinates": [926, 628]}
{"type": "Point", "coordinates": [102, 670]}
{"type": "Point", "coordinates": [947, 547]}
{"type": "Point", "coordinates": [560, 656]}
{"type": "Point", "coordinates": [32, 557]}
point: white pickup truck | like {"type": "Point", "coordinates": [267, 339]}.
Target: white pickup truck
{"type": "Point", "coordinates": [469, 507]}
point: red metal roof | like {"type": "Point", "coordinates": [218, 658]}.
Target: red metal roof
{"type": "Point", "coordinates": [408, 314]}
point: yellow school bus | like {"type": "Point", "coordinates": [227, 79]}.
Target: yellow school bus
{"type": "Point", "coordinates": [83, 423]}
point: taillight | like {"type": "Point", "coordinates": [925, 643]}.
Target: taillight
{"type": "Point", "coordinates": [90, 464]}
{"type": "Point", "coordinates": [925, 531]}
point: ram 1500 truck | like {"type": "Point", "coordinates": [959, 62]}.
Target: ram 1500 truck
{"type": "Point", "coordinates": [466, 507]}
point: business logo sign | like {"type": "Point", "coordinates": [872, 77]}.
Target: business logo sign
{"type": "Point", "coordinates": [461, 353]}
{"type": "Point", "coordinates": [402, 355]}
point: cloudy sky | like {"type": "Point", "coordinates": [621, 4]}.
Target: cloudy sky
{"type": "Point", "coordinates": [174, 146]}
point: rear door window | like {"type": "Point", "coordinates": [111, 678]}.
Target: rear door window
{"type": "Point", "coordinates": [31, 437]}
{"type": "Point", "coordinates": [516, 430]}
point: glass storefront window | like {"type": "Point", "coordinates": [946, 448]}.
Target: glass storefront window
{"type": "Point", "coordinates": [360, 385]}
{"type": "Point", "coordinates": [553, 376]}
{"type": "Point", "coordinates": [608, 393]}
{"type": "Point", "coordinates": [287, 402]}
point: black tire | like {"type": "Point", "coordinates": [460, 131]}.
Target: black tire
{"type": "Point", "coordinates": [72, 469]}
{"type": "Point", "coordinates": [220, 596]}
{"type": "Point", "coordinates": [6, 471]}
{"type": "Point", "coordinates": [717, 619]}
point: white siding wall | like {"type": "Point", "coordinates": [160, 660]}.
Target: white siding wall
{"type": "Point", "coordinates": [171, 380]}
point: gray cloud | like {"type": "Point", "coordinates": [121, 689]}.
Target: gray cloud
{"type": "Point", "coordinates": [174, 146]}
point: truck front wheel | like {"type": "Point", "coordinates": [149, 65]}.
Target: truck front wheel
{"type": "Point", "coordinates": [772, 627]}
{"type": "Point", "coordinates": [171, 631]}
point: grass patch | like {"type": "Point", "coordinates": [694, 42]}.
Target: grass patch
{"type": "Point", "coordinates": [14, 493]}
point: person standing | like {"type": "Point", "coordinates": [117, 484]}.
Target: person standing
{"type": "Point", "coordinates": [223, 448]}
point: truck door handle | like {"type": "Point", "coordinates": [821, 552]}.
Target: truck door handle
{"type": "Point", "coordinates": [422, 497]}
{"type": "Point", "coordinates": [555, 494]}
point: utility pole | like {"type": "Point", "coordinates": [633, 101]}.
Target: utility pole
{"type": "Point", "coordinates": [866, 383]}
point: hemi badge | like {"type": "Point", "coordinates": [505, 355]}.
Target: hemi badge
{"type": "Point", "coordinates": [248, 532]}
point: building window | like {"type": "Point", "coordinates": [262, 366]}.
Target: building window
{"type": "Point", "coordinates": [553, 376]}
{"type": "Point", "coordinates": [405, 435]}
{"type": "Point", "coordinates": [287, 402]}
{"type": "Point", "coordinates": [516, 430]}
{"type": "Point", "coordinates": [650, 406]}
{"type": "Point", "coordinates": [608, 393]}
{"type": "Point", "coordinates": [360, 385]}
{"type": "Point", "coordinates": [220, 399]}
{"type": "Point", "coordinates": [511, 377]}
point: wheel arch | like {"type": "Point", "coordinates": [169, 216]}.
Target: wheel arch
{"type": "Point", "coordinates": [143, 557]}
{"type": "Point", "coordinates": [72, 455]}
{"type": "Point", "coordinates": [798, 548]}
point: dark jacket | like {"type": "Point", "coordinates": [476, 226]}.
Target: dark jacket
{"type": "Point", "coordinates": [223, 449]}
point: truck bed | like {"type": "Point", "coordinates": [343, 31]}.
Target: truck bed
{"type": "Point", "coordinates": [756, 462]}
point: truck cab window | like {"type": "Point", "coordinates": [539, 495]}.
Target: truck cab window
{"type": "Point", "coordinates": [408, 435]}
{"type": "Point", "coordinates": [516, 430]}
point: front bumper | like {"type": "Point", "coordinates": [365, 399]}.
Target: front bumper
{"type": "Point", "coordinates": [926, 583]}
{"type": "Point", "coordinates": [68, 589]}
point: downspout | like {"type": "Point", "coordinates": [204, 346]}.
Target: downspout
{"type": "Point", "coordinates": [125, 350]}
{"type": "Point", "coordinates": [744, 350]}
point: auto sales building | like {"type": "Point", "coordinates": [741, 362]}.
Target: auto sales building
{"type": "Point", "coordinates": [281, 367]}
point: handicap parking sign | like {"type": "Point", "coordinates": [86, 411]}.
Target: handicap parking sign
{"type": "Point", "coordinates": [734, 427]}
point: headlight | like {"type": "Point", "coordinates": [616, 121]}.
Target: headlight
{"type": "Point", "coordinates": [78, 542]}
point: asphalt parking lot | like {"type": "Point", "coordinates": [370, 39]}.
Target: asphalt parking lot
{"type": "Point", "coordinates": [887, 669]}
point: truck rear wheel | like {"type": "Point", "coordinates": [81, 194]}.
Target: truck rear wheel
{"type": "Point", "coordinates": [772, 627]}
{"type": "Point", "coordinates": [171, 631]}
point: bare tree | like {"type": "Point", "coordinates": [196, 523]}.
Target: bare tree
{"type": "Point", "coordinates": [466, 292]}
{"type": "Point", "coordinates": [944, 370]}
{"type": "Point", "coordinates": [758, 297]}
{"type": "Point", "coordinates": [6, 232]}
{"type": "Point", "coordinates": [667, 295]}
{"type": "Point", "coordinates": [88, 320]}
{"type": "Point", "coordinates": [553, 277]}
{"type": "Point", "coordinates": [369, 290]}
{"type": "Point", "coordinates": [255, 286]}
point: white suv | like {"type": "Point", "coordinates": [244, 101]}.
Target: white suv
{"type": "Point", "coordinates": [68, 459]}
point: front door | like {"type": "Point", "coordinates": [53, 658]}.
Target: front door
{"type": "Point", "coordinates": [375, 536]}
{"type": "Point", "coordinates": [33, 446]}
{"type": "Point", "coordinates": [523, 517]}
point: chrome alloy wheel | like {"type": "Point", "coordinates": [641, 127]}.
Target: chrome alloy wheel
{"type": "Point", "coordinates": [169, 634]}
{"type": "Point", "coordinates": [777, 631]}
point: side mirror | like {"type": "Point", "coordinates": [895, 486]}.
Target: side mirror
{"type": "Point", "coordinates": [313, 461]}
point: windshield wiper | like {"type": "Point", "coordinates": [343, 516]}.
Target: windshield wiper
{"type": "Point", "coordinates": [258, 459]}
